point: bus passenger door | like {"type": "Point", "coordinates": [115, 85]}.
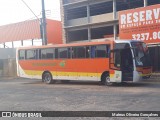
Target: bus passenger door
{"type": "Point", "coordinates": [121, 61]}
{"type": "Point", "coordinates": [127, 65]}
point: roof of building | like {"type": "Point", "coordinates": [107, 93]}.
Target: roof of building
{"type": "Point", "coordinates": [20, 31]}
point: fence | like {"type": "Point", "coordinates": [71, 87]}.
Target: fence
{"type": "Point", "coordinates": [8, 68]}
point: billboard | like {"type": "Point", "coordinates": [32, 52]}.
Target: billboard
{"type": "Point", "coordinates": [140, 24]}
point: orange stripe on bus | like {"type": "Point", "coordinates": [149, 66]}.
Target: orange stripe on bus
{"type": "Point", "coordinates": [71, 65]}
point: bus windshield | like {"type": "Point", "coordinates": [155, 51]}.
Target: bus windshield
{"type": "Point", "coordinates": [141, 54]}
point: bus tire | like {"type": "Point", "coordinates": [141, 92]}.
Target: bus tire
{"type": "Point", "coordinates": [47, 78]}
{"type": "Point", "coordinates": [105, 80]}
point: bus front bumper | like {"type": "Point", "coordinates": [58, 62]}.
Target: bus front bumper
{"type": "Point", "coordinates": [139, 76]}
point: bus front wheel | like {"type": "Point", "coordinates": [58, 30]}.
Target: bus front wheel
{"type": "Point", "coordinates": [47, 78]}
{"type": "Point", "coordinates": [106, 80]}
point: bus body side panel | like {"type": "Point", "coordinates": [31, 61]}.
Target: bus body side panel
{"type": "Point", "coordinates": [115, 76]}
{"type": "Point", "coordinates": [69, 69]}
{"type": "Point", "coordinates": [29, 73]}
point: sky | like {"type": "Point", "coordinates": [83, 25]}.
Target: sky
{"type": "Point", "coordinates": [13, 11]}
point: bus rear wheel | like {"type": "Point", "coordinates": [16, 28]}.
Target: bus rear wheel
{"type": "Point", "coordinates": [106, 80]}
{"type": "Point", "coordinates": [47, 78]}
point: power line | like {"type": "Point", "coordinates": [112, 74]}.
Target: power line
{"type": "Point", "coordinates": [32, 18]}
{"type": "Point", "coordinates": [30, 10]}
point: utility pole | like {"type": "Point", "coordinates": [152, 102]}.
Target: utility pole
{"type": "Point", "coordinates": [43, 23]}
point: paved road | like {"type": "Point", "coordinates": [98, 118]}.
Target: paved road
{"type": "Point", "coordinates": [31, 95]}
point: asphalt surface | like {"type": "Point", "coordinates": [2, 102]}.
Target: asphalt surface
{"type": "Point", "coordinates": [19, 94]}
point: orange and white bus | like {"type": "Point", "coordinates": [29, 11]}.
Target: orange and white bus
{"type": "Point", "coordinates": [107, 61]}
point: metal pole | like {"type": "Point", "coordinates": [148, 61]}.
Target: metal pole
{"type": "Point", "coordinates": [44, 32]}
{"type": "Point", "coordinates": [88, 17]}
{"type": "Point", "coordinates": [32, 42]}
{"type": "Point", "coordinates": [22, 42]}
{"type": "Point", "coordinates": [145, 3]}
{"type": "Point", "coordinates": [12, 44]}
{"type": "Point", "coordinates": [114, 10]}
{"type": "Point", "coordinates": [114, 18]}
{"type": "Point", "coordinates": [115, 31]}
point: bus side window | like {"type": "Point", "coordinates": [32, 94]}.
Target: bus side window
{"type": "Point", "coordinates": [72, 53]}
{"type": "Point", "coordinates": [50, 53]}
{"type": "Point", "coordinates": [80, 52]}
{"type": "Point", "coordinates": [108, 51]}
{"type": "Point", "coordinates": [39, 54]}
{"type": "Point", "coordinates": [74, 50]}
{"type": "Point", "coordinates": [93, 51]}
{"type": "Point", "coordinates": [31, 54]}
{"type": "Point", "coordinates": [56, 53]}
{"type": "Point", "coordinates": [63, 52]}
{"type": "Point", "coordinates": [36, 54]}
{"type": "Point", "coordinates": [69, 52]}
{"type": "Point", "coordinates": [101, 51]}
{"type": "Point", "coordinates": [43, 54]}
{"type": "Point", "coordinates": [21, 54]}
{"type": "Point", "coordinates": [87, 52]}
{"type": "Point", "coordinates": [47, 53]}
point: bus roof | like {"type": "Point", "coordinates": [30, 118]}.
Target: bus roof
{"type": "Point", "coordinates": [79, 44]}
{"type": "Point", "coordinates": [68, 44]}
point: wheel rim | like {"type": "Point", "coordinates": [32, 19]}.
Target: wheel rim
{"type": "Point", "coordinates": [107, 79]}
{"type": "Point", "coordinates": [47, 78]}
{"type": "Point", "coordinates": [108, 82]}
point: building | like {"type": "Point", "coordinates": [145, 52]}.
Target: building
{"type": "Point", "coordinates": [54, 32]}
{"type": "Point", "coordinates": [28, 33]}
{"type": "Point", "coordinates": [89, 20]}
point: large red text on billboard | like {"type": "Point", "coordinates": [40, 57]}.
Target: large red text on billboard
{"type": "Point", "coordinates": [141, 24]}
